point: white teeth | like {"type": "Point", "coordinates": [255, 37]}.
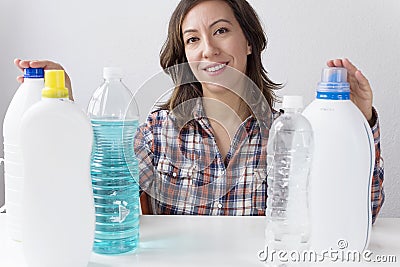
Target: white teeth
{"type": "Point", "coordinates": [215, 68]}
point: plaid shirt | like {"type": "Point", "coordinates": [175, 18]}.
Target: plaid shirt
{"type": "Point", "coordinates": [183, 172]}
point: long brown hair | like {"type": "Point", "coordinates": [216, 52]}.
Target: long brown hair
{"type": "Point", "coordinates": [172, 54]}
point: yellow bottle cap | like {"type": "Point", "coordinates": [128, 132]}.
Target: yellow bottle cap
{"type": "Point", "coordinates": [54, 84]}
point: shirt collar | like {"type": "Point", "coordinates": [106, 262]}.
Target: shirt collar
{"type": "Point", "coordinates": [264, 119]}
{"type": "Point", "coordinates": [198, 110]}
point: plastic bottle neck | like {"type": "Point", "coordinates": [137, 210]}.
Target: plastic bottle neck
{"type": "Point", "coordinates": [49, 99]}
{"type": "Point", "coordinates": [291, 110]}
{"type": "Point", "coordinates": [33, 80]}
{"type": "Point", "coordinates": [112, 79]}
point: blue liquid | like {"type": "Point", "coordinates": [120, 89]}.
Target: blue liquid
{"type": "Point", "coordinates": [114, 171]}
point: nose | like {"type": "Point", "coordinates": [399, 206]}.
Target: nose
{"type": "Point", "coordinates": [210, 48]}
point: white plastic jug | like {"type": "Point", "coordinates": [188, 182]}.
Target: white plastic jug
{"type": "Point", "coordinates": [58, 207]}
{"type": "Point", "coordinates": [342, 169]}
{"type": "Point", "coordinates": [27, 94]}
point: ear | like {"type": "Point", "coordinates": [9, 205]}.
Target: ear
{"type": "Point", "coordinates": [249, 50]}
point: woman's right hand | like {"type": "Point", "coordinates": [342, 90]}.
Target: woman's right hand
{"type": "Point", "coordinates": [46, 65]}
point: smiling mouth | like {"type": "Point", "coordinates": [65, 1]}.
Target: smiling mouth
{"type": "Point", "coordinates": [216, 67]}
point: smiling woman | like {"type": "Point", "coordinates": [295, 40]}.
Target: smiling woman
{"type": "Point", "coordinates": [213, 54]}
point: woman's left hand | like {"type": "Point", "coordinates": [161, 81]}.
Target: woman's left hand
{"type": "Point", "coordinates": [360, 89]}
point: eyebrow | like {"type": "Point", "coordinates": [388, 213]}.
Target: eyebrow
{"type": "Point", "coordinates": [212, 24]}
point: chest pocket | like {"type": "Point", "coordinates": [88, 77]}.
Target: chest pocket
{"type": "Point", "coordinates": [170, 173]}
{"type": "Point", "coordinates": [251, 193]}
{"type": "Point", "coordinates": [259, 196]}
{"type": "Point", "coordinates": [178, 188]}
{"type": "Point", "coordinates": [171, 186]}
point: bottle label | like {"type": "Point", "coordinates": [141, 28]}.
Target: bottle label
{"type": "Point", "coordinates": [123, 211]}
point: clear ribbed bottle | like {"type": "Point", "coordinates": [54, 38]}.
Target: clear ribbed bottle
{"type": "Point", "coordinates": [114, 167]}
{"type": "Point", "coordinates": [289, 153]}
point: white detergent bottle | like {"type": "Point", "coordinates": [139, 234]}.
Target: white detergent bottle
{"type": "Point", "coordinates": [27, 94]}
{"type": "Point", "coordinates": [58, 206]}
{"type": "Point", "coordinates": [342, 169]}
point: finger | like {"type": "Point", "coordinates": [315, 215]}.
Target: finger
{"type": "Point", "coordinates": [334, 63]}
{"type": "Point", "coordinates": [23, 64]}
{"type": "Point", "coordinates": [338, 63]}
{"type": "Point", "coordinates": [45, 64]}
{"type": "Point", "coordinates": [330, 63]}
{"type": "Point", "coordinates": [351, 69]}
{"type": "Point", "coordinates": [361, 79]}
{"type": "Point", "coordinates": [20, 79]}
{"type": "Point", "coordinates": [16, 62]}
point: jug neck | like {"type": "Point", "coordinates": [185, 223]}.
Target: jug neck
{"type": "Point", "coordinates": [333, 95]}
{"type": "Point", "coordinates": [34, 80]}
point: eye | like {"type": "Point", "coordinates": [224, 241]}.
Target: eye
{"type": "Point", "coordinates": [191, 40]}
{"type": "Point", "coordinates": [221, 30]}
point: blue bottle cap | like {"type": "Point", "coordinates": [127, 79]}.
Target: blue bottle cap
{"type": "Point", "coordinates": [333, 85]}
{"type": "Point", "coordinates": [33, 73]}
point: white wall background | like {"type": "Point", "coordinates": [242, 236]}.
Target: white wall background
{"type": "Point", "coordinates": [87, 35]}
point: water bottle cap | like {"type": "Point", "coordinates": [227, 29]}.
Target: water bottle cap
{"type": "Point", "coordinates": [54, 84]}
{"type": "Point", "coordinates": [112, 72]}
{"type": "Point", "coordinates": [292, 102]}
{"type": "Point", "coordinates": [33, 73]}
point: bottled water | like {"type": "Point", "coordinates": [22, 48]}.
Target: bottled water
{"type": "Point", "coordinates": [27, 94]}
{"type": "Point", "coordinates": [114, 167]}
{"type": "Point", "coordinates": [58, 210]}
{"type": "Point", "coordinates": [341, 176]}
{"type": "Point", "coordinates": [115, 188]}
{"type": "Point", "coordinates": [289, 153]}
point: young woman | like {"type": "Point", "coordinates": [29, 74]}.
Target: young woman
{"type": "Point", "coordinates": [204, 150]}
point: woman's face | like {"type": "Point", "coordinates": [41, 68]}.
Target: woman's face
{"type": "Point", "coordinates": [214, 43]}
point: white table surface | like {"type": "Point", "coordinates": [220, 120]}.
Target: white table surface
{"type": "Point", "coordinates": [206, 241]}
